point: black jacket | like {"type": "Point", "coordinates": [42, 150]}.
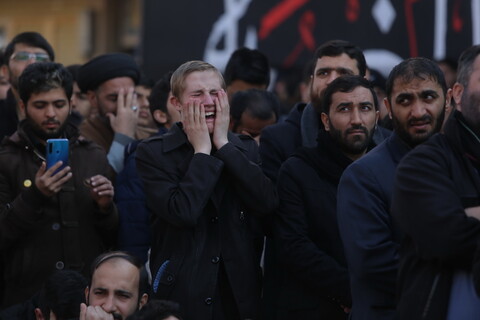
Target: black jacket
{"type": "Point", "coordinates": [315, 284]}
{"type": "Point", "coordinates": [434, 184]}
{"type": "Point", "coordinates": [39, 234]}
{"type": "Point", "coordinates": [204, 209]}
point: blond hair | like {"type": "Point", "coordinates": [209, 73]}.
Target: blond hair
{"type": "Point", "coordinates": [177, 81]}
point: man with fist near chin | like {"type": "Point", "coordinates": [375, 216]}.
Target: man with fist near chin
{"type": "Point", "coordinates": [205, 191]}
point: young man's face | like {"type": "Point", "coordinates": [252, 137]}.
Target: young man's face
{"type": "Point", "coordinates": [114, 287]}
{"type": "Point", "coordinates": [417, 108]}
{"type": "Point", "coordinates": [23, 56]}
{"type": "Point", "coordinates": [105, 97]}
{"type": "Point", "coordinates": [328, 69]}
{"type": "Point", "coordinates": [80, 101]}
{"type": "Point", "coordinates": [204, 87]}
{"type": "Point", "coordinates": [252, 126]}
{"type": "Point", "coordinates": [351, 120]}
{"type": "Point", "coordinates": [145, 118]}
{"type": "Point", "coordinates": [47, 112]}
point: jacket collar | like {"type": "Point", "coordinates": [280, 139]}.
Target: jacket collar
{"type": "Point", "coordinates": [176, 137]}
{"type": "Point", "coordinates": [397, 147]}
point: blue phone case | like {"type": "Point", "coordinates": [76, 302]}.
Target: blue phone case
{"type": "Point", "coordinates": [57, 150]}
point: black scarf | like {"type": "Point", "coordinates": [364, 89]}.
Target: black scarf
{"type": "Point", "coordinates": [327, 158]}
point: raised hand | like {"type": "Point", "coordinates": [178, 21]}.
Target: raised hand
{"type": "Point", "coordinates": [93, 313]}
{"type": "Point", "coordinates": [222, 119]}
{"type": "Point", "coordinates": [126, 118]}
{"type": "Point", "coordinates": [195, 126]}
{"type": "Point", "coordinates": [50, 183]}
{"type": "Point", "coordinates": [101, 190]}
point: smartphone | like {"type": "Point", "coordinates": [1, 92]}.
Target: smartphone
{"type": "Point", "coordinates": [57, 150]}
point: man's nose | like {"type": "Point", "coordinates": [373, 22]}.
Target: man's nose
{"type": "Point", "coordinates": [355, 116]}
{"type": "Point", "coordinates": [50, 111]}
{"type": "Point", "coordinates": [332, 76]}
{"type": "Point", "coordinates": [109, 304]}
{"type": "Point", "coordinates": [418, 110]}
{"type": "Point", "coordinates": [208, 99]}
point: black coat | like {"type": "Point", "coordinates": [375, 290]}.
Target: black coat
{"type": "Point", "coordinates": [204, 208]}
{"type": "Point", "coordinates": [40, 234]}
{"type": "Point", "coordinates": [434, 184]}
{"type": "Point", "coordinates": [370, 237]}
{"type": "Point", "coordinates": [315, 284]}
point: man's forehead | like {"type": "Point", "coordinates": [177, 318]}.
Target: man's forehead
{"type": "Point", "coordinates": [202, 81]}
{"type": "Point", "coordinates": [115, 84]}
{"type": "Point", "coordinates": [115, 274]}
{"type": "Point", "coordinates": [415, 85]}
{"type": "Point", "coordinates": [341, 61]}
{"type": "Point", "coordinates": [54, 94]}
{"type": "Point", "coordinates": [28, 48]}
{"type": "Point", "coordinates": [358, 95]}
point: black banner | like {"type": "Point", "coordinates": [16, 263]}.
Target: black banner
{"type": "Point", "coordinates": [288, 31]}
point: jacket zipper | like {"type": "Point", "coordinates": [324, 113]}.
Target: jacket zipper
{"type": "Point", "coordinates": [430, 296]}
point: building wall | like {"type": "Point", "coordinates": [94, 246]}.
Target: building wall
{"type": "Point", "coordinates": [77, 29]}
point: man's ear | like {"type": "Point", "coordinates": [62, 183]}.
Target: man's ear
{"type": "Point", "coordinates": [92, 97]}
{"type": "Point", "coordinates": [22, 107]}
{"type": "Point", "coordinates": [388, 106]}
{"type": "Point", "coordinates": [457, 92]}
{"type": "Point", "coordinates": [325, 121]}
{"type": "Point", "coordinates": [176, 103]}
{"type": "Point", "coordinates": [160, 116]}
{"type": "Point", "coordinates": [38, 314]}
{"type": "Point", "coordinates": [231, 124]}
{"type": "Point", "coordinates": [87, 292]}
{"type": "Point", "coordinates": [143, 301]}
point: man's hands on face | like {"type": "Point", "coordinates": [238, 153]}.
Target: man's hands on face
{"type": "Point", "coordinates": [125, 121]}
{"type": "Point", "coordinates": [222, 119]}
{"type": "Point", "coordinates": [50, 183]}
{"type": "Point", "coordinates": [101, 190]}
{"type": "Point", "coordinates": [195, 126]}
{"type": "Point", "coordinates": [94, 313]}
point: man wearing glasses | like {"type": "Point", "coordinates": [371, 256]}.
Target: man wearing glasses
{"type": "Point", "coordinates": [24, 49]}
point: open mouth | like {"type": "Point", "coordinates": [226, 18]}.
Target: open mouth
{"type": "Point", "coordinates": [210, 115]}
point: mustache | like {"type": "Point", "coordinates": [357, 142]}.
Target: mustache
{"type": "Point", "coordinates": [117, 316]}
{"type": "Point", "coordinates": [424, 118]}
{"type": "Point", "coordinates": [51, 121]}
{"type": "Point", "coordinates": [356, 128]}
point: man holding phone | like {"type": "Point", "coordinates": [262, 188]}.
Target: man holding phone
{"type": "Point", "coordinates": [49, 218]}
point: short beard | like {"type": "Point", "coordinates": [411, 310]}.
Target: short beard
{"type": "Point", "coordinates": [41, 133]}
{"type": "Point", "coordinates": [413, 141]}
{"type": "Point", "coordinates": [351, 147]}
{"type": "Point", "coordinates": [470, 109]}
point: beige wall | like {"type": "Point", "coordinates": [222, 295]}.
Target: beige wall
{"type": "Point", "coordinates": [68, 25]}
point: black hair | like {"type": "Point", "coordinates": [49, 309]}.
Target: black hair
{"type": "Point", "coordinates": [145, 81]}
{"type": "Point", "coordinates": [159, 95]}
{"type": "Point", "coordinates": [62, 294]}
{"type": "Point", "coordinates": [415, 68]}
{"type": "Point", "coordinates": [259, 103]}
{"type": "Point", "coordinates": [346, 84]}
{"type": "Point", "coordinates": [335, 48]}
{"type": "Point", "coordinates": [32, 39]}
{"type": "Point", "coordinates": [465, 64]}
{"type": "Point", "coordinates": [73, 69]}
{"type": "Point", "coordinates": [248, 65]}
{"type": "Point", "coordinates": [157, 310]}
{"type": "Point", "coordinates": [143, 285]}
{"type": "Point", "coordinates": [42, 77]}
{"type": "Point", "coordinates": [451, 63]}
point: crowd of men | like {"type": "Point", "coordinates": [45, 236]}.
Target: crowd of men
{"type": "Point", "coordinates": [193, 197]}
